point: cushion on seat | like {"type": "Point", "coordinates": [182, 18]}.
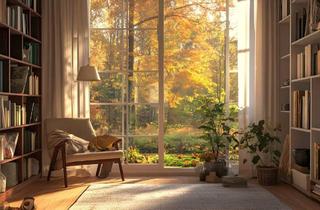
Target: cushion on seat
{"type": "Point", "coordinates": [74, 143]}
{"type": "Point", "coordinates": [91, 156]}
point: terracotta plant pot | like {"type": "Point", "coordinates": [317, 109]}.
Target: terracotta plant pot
{"type": "Point", "coordinates": [267, 175]}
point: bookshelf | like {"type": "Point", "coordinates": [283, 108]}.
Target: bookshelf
{"type": "Point", "coordinates": [20, 53]}
{"type": "Point", "coordinates": [298, 64]}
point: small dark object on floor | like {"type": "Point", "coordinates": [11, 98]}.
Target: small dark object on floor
{"type": "Point", "coordinates": [28, 204]}
{"type": "Point", "coordinates": [234, 181]}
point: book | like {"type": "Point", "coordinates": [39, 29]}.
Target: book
{"type": "Point", "coordinates": [10, 144]}
{"type": "Point", "coordinates": [18, 77]}
{"type": "Point", "coordinates": [3, 7]}
{"type": "Point", "coordinates": [301, 109]}
{"type": "Point", "coordinates": [1, 76]}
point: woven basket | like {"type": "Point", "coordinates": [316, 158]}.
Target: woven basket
{"type": "Point", "coordinates": [267, 175]}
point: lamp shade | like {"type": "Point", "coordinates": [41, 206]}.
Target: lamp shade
{"type": "Point", "coordinates": [88, 73]}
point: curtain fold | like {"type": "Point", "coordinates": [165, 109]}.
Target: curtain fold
{"type": "Point", "coordinates": [65, 48]}
{"type": "Point", "coordinates": [258, 69]}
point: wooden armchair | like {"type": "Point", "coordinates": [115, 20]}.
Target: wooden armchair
{"type": "Point", "coordinates": [83, 129]}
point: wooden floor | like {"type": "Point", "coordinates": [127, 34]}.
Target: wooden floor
{"type": "Point", "coordinates": [53, 195]}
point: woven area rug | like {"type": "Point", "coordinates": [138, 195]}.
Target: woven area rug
{"type": "Point", "coordinates": [176, 197]}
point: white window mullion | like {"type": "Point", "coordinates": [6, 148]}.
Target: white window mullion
{"type": "Point", "coordinates": [161, 82]}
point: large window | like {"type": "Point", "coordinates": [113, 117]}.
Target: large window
{"type": "Point", "coordinates": [151, 104]}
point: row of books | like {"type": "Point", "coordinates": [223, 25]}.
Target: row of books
{"type": "Point", "coordinates": [301, 23]}
{"type": "Point", "coordinates": [11, 113]}
{"type": "Point", "coordinates": [31, 53]}
{"type": "Point", "coordinates": [1, 76]}
{"type": "Point", "coordinates": [33, 4]}
{"type": "Point", "coordinates": [308, 61]}
{"type": "Point", "coordinates": [29, 141]}
{"type": "Point", "coordinates": [23, 80]}
{"type": "Point", "coordinates": [316, 160]}
{"type": "Point", "coordinates": [301, 109]}
{"type": "Point", "coordinates": [18, 19]}
{"type": "Point", "coordinates": [284, 8]}
{"type": "Point", "coordinates": [31, 168]}
{"type": "Point", "coordinates": [316, 189]}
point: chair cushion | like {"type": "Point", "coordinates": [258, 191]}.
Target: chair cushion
{"type": "Point", "coordinates": [74, 144]}
{"type": "Point", "coordinates": [91, 156]}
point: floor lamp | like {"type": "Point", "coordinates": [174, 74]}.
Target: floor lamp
{"type": "Point", "coordinates": [87, 74]}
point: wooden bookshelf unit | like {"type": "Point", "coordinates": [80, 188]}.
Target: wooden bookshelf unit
{"type": "Point", "coordinates": [299, 71]}
{"type": "Point", "coordinates": [20, 48]}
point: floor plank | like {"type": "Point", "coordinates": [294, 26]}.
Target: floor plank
{"type": "Point", "coordinates": [53, 195]}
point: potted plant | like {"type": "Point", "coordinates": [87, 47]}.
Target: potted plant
{"type": "Point", "coordinates": [218, 132]}
{"type": "Point", "coordinates": [261, 142]}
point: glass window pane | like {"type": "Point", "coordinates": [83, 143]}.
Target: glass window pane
{"type": "Point", "coordinates": [145, 13]}
{"type": "Point", "coordinates": [145, 54]}
{"type": "Point", "coordinates": [107, 119]}
{"type": "Point", "coordinates": [142, 150]}
{"type": "Point", "coordinates": [110, 89]}
{"type": "Point", "coordinates": [143, 119]}
{"type": "Point", "coordinates": [108, 50]}
{"type": "Point", "coordinates": [108, 13]}
{"type": "Point", "coordinates": [143, 87]}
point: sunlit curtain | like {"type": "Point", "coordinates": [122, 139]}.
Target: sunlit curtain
{"type": "Point", "coordinates": [65, 48]}
{"type": "Point", "coordinates": [257, 61]}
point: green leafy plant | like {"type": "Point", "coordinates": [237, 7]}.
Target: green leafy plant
{"type": "Point", "coordinates": [216, 126]}
{"type": "Point", "coordinates": [260, 141]}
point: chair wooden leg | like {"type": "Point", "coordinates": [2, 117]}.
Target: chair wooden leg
{"type": "Point", "coordinates": [98, 169]}
{"type": "Point", "coordinates": [120, 168]}
{"type": "Point", "coordinates": [64, 165]}
{"type": "Point", "coordinates": [52, 163]}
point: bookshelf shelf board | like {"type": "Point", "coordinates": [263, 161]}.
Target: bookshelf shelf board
{"type": "Point", "coordinates": [285, 87]}
{"type": "Point", "coordinates": [20, 126]}
{"type": "Point", "coordinates": [24, 6]}
{"type": "Point", "coordinates": [10, 160]}
{"type": "Point", "coordinates": [285, 20]}
{"type": "Point", "coordinates": [301, 129]}
{"type": "Point", "coordinates": [31, 153]}
{"type": "Point", "coordinates": [315, 129]}
{"type": "Point", "coordinates": [15, 31]}
{"type": "Point", "coordinates": [299, 1]}
{"type": "Point", "coordinates": [309, 39]}
{"type": "Point", "coordinates": [285, 56]}
{"type": "Point", "coordinates": [19, 94]}
{"type": "Point", "coordinates": [4, 57]}
{"type": "Point", "coordinates": [25, 63]}
{"type": "Point", "coordinates": [304, 79]}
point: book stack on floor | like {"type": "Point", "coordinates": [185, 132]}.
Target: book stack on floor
{"type": "Point", "coordinates": [301, 109]}
{"type": "Point", "coordinates": [285, 8]}
{"type": "Point", "coordinates": [11, 114]}
{"type": "Point", "coordinates": [308, 62]}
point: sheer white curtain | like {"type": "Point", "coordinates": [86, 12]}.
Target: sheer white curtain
{"type": "Point", "coordinates": [258, 73]}
{"type": "Point", "coordinates": [65, 48]}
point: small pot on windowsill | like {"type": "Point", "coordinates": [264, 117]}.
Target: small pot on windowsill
{"type": "Point", "coordinates": [267, 175]}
